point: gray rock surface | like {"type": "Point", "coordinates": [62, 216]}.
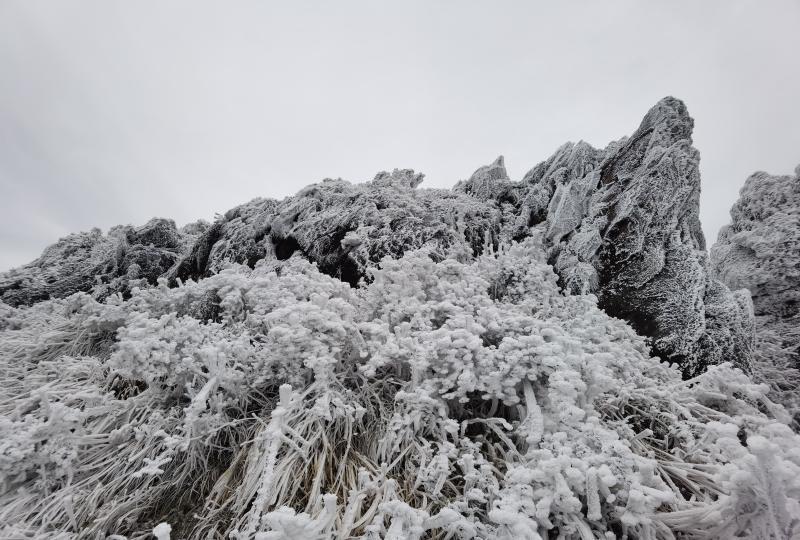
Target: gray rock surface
{"type": "Point", "coordinates": [760, 249]}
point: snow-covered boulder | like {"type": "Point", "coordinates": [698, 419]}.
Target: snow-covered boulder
{"type": "Point", "coordinates": [760, 249]}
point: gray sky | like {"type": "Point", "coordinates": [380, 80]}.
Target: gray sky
{"type": "Point", "coordinates": [114, 112]}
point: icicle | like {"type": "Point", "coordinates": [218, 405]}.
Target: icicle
{"type": "Point", "coordinates": [533, 420]}
{"type": "Point", "coordinates": [274, 435]}
{"type": "Point", "coordinates": [592, 496]}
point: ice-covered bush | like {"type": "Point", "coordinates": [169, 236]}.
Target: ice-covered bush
{"type": "Point", "coordinates": [450, 398]}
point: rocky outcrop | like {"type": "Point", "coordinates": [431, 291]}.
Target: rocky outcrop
{"type": "Point", "coordinates": [623, 223]}
{"type": "Point", "coordinates": [236, 237]}
{"type": "Point", "coordinates": [760, 251]}
{"type": "Point", "coordinates": [347, 228]}
{"type": "Point", "coordinates": [105, 263]}
{"type": "Point", "coordinates": [620, 222]}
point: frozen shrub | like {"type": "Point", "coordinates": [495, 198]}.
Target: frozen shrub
{"type": "Point", "coordinates": [449, 397]}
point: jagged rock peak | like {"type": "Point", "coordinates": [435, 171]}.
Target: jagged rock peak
{"type": "Point", "coordinates": [494, 171]}
{"type": "Point", "coordinates": [669, 120]}
{"type": "Point", "coordinates": [623, 223]}
{"type": "Point", "coordinates": [487, 182]}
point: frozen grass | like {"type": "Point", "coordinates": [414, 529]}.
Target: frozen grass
{"type": "Point", "coordinates": [442, 400]}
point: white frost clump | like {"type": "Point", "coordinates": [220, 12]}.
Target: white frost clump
{"type": "Point", "coordinates": [161, 531]}
{"type": "Point", "coordinates": [448, 399]}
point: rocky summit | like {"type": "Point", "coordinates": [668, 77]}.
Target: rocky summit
{"type": "Point", "coordinates": [620, 222]}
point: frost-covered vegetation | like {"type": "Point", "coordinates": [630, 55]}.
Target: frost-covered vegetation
{"type": "Point", "coordinates": [458, 397]}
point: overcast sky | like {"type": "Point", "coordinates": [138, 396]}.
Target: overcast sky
{"type": "Point", "coordinates": [115, 112]}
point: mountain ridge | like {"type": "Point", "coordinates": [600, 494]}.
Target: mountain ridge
{"type": "Point", "coordinates": [620, 222]}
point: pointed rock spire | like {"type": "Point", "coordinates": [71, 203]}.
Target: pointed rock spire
{"type": "Point", "coordinates": [487, 182]}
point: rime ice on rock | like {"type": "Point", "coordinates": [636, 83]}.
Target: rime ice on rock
{"type": "Point", "coordinates": [458, 391]}
{"type": "Point", "coordinates": [489, 182]}
{"type": "Point", "coordinates": [347, 228]}
{"type": "Point", "coordinates": [621, 223]}
{"type": "Point", "coordinates": [81, 261]}
{"type": "Point", "coordinates": [760, 251]}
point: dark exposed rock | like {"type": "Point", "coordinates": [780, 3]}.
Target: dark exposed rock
{"type": "Point", "coordinates": [194, 265]}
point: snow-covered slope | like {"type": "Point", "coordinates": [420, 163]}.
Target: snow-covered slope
{"type": "Point", "coordinates": [384, 361]}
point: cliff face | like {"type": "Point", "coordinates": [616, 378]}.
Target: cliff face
{"type": "Point", "coordinates": [760, 251]}
{"type": "Point", "coordinates": [621, 223]}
